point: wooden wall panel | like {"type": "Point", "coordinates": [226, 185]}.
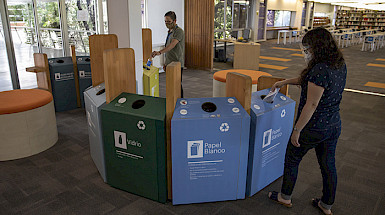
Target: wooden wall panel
{"type": "Point", "coordinates": [199, 33]}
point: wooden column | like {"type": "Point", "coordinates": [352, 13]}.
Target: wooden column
{"type": "Point", "coordinates": [173, 92]}
{"type": "Point", "coordinates": [99, 43]}
{"type": "Point", "coordinates": [41, 69]}
{"type": "Point", "coordinates": [239, 86]}
{"type": "Point", "coordinates": [199, 33]}
{"type": "Point", "coordinates": [265, 82]}
{"type": "Point", "coordinates": [76, 75]}
{"type": "Point", "coordinates": [146, 43]}
{"type": "Point", "coordinates": [119, 72]}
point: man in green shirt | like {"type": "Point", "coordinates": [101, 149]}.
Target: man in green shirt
{"type": "Point", "coordinates": [174, 46]}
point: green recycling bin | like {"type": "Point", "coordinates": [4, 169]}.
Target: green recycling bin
{"type": "Point", "coordinates": [134, 137]}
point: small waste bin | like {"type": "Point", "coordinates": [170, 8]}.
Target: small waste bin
{"type": "Point", "coordinates": [271, 127]}
{"type": "Point", "coordinates": [95, 99]}
{"type": "Point", "coordinates": [210, 143]}
{"type": "Point", "coordinates": [135, 145]}
{"type": "Point", "coordinates": [150, 81]}
{"type": "Point", "coordinates": [84, 72]}
{"type": "Point", "coordinates": [63, 83]}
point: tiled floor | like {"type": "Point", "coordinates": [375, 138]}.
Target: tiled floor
{"type": "Point", "coordinates": [64, 180]}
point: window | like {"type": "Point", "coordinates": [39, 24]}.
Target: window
{"type": "Point", "coordinates": [230, 15]}
{"type": "Point", "coordinates": [278, 18]}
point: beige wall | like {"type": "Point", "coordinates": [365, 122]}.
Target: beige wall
{"type": "Point", "coordinates": [125, 20]}
{"type": "Point", "coordinates": [282, 5]}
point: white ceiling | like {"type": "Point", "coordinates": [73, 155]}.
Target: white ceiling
{"type": "Point", "coordinates": [361, 4]}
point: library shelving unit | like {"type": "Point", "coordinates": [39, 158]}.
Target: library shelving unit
{"type": "Point", "coordinates": [321, 21]}
{"type": "Point", "coordinates": [360, 19]}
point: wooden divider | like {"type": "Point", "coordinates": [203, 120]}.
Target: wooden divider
{"type": "Point", "coordinates": [173, 92]}
{"type": "Point", "coordinates": [119, 72]}
{"type": "Point", "coordinates": [147, 43]}
{"type": "Point", "coordinates": [41, 69]}
{"type": "Point", "coordinates": [265, 82]}
{"type": "Point", "coordinates": [99, 43]}
{"type": "Point", "coordinates": [76, 75]}
{"type": "Point", "coordinates": [239, 86]}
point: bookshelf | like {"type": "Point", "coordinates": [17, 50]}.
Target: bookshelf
{"type": "Point", "coordinates": [321, 21]}
{"type": "Point", "coordinates": [360, 19]}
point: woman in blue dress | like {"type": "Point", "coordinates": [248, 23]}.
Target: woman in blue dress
{"type": "Point", "coordinates": [318, 123]}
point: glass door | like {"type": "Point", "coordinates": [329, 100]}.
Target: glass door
{"type": "Point", "coordinates": [21, 20]}
{"type": "Point", "coordinates": [48, 17]}
{"type": "Point", "coordinates": [81, 21]}
{"type": "Point", "coordinates": [5, 76]}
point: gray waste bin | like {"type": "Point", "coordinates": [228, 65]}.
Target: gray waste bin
{"type": "Point", "coordinates": [95, 99]}
{"type": "Point", "coordinates": [84, 72]}
{"type": "Point", "coordinates": [63, 83]}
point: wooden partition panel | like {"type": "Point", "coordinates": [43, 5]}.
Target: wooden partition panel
{"type": "Point", "coordinates": [239, 86]}
{"type": "Point", "coordinates": [99, 43]}
{"type": "Point", "coordinates": [173, 92]}
{"type": "Point", "coordinates": [76, 75]}
{"type": "Point", "coordinates": [147, 43]}
{"type": "Point", "coordinates": [199, 33]}
{"type": "Point", "coordinates": [119, 72]}
{"type": "Point", "coordinates": [41, 69]}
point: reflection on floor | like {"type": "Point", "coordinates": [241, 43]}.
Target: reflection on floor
{"type": "Point", "coordinates": [64, 180]}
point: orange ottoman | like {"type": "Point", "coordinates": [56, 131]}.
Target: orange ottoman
{"type": "Point", "coordinates": [27, 123]}
{"type": "Point", "coordinates": [219, 80]}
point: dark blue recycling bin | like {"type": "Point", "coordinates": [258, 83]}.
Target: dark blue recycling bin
{"type": "Point", "coordinates": [84, 73]}
{"type": "Point", "coordinates": [209, 148]}
{"type": "Point", "coordinates": [270, 131]}
{"type": "Point", "coordinates": [63, 83]}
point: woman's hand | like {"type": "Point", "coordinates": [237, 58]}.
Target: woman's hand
{"type": "Point", "coordinates": [277, 84]}
{"type": "Point", "coordinates": [294, 138]}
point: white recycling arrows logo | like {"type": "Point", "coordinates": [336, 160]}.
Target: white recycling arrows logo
{"type": "Point", "coordinates": [224, 127]}
{"type": "Point", "coordinates": [283, 113]}
{"type": "Point", "coordinates": [141, 125]}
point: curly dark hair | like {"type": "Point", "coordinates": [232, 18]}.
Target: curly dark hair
{"type": "Point", "coordinates": [324, 49]}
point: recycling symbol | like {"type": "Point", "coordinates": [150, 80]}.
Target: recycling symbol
{"type": "Point", "coordinates": [224, 127]}
{"type": "Point", "coordinates": [283, 113]}
{"type": "Point", "coordinates": [141, 125]}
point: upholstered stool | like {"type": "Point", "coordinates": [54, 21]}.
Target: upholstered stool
{"type": "Point", "coordinates": [27, 123]}
{"type": "Point", "coordinates": [219, 80]}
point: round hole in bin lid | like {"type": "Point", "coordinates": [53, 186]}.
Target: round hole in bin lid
{"type": "Point", "coordinates": [88, 59]}
{"type": "Point", "coordinates": [209, 107]}
{"type": "Point", "coordinates": [138, 104]}
{"type": "Point", "coordinates": [60, 61]}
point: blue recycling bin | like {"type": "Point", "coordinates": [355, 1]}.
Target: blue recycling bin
{"type": "Point", "coordinates": [84, 74]}
{"type": "Point", "coordinates": [209, 148]}
{"type": "Point", "coordinates": [63, 83]}
{"type": "Point", "coordinates": [270, 131]}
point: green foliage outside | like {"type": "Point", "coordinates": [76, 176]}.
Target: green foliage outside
{"type": "Point", "coordinates": [219, 21]}
{"type": "Point", "coordinates": [48, 15]}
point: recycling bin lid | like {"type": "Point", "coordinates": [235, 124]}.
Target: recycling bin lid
{"type": "Point", "coordinates": [195, 108]}
{"type": "Point", "coordinates": [59, 60]}
{"type": "Point", "coordinates": [139, 105]}
{"type": "Point", "coordinates": [258, 106]}
{"type": "Point", "coordinates": [97, 94]}
{"type": "Point", "coordinates": [150, 71]}
{"type": "Point", "coordinates": [83, 59]}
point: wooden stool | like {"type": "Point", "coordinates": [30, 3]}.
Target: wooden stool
{"type": "Point", "coordinates": [27, 123]}
{"type": "Point", "coordinates": [219, 80]}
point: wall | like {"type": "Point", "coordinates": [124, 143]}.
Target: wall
{"type": "Point", "coordinates": [124, 20]}
{"type": "Point", "coordinates": [155, 15]}
{"type": "Point", "coordinates": [324, 8]}
{"type": "Point", "coordinates": [282, 5]}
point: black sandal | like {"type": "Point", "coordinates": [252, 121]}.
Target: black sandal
{"type": "Point", "coordinates": [274, 197]}
{"type": "Point", "coordinates": [315, 201]}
